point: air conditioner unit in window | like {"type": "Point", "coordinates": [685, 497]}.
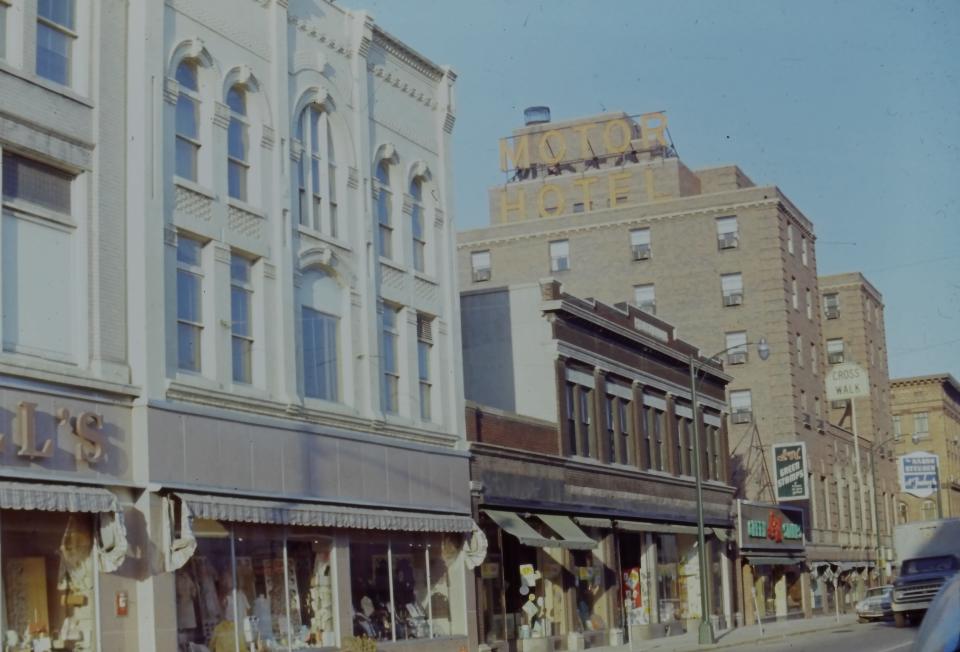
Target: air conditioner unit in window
{"type": "Point", "coordinates": [728, 241]}
{"type": "Point", "coordinates": [649, 307]}
{"type": "Point", "coordinates": [838, 405]}
{"type": "Point", "coordinates": [832, 313]}
{"type": "Point", "coordinates": [640, 251]}
{"type": "Point", "coordinates": [742, 416]}
{"type": "Point", "coordinates": [738, 357]}
{"type": "Point", "coordinates": [482, 274]}
{"type": "Point", "coordinates": [806, 419]}
{"type": "Point", "coordinates": [835, 358]}
{"type": "Point", "coordinates": [733, 299]}
{"type": "Point", "coordinates": [820, 425]}
{"type": "Point", "coordinates": [559, 264]}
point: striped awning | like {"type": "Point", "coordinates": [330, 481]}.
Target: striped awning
{"type": "Point", "coordinates": [277, 512]}
{"type": "Point", "coordinates": [56, 498]}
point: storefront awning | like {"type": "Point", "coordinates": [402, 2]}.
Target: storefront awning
{"type": "Point", "coordinates": [723, 535]}
{"type": "Point", "coordinates": [572, 537]}
{"type": "Point", "coordinates": [659, 528]}
{"type": "Point", "coordinates": [56, 498]}
{"type": "Point", "coordinates": [758, 560]}
{"type": "Point", "coordinates": [514, 525]}
{"type": "Point", "coordinates": [276, 512]}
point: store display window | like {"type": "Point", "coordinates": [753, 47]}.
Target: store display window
{"type": "Point", "coordinates": [401, 586]}
{"type": "Point", "coordinates": [668, 578]}
{"type": "Point", "coordinates": [633, 581]}
{"type": "Point", "coordinates": [48, 579]}
{"type": "Point", "coordinates": [255, 589]}
{"type": "Point", "coordinates": [589, 583]}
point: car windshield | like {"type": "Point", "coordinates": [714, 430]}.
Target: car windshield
{"type": "Point", "coordinates": [929, 565]}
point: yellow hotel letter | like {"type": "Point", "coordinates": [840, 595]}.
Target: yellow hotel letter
{"type": "Point", "coordinates": [549, 154]}
{"type": "Point", "coordinates": [612, 180]}
{"type": "Point", "coordinates": [624, 128]}
{"type": "Point", "coordinates": [519, 205]}
{"type": "Point", "coordinates": [541, 200]}
{"type": "Point", "coordinates": [519, 155]}
{"type": "Point", "coordinates": [585, 184]}
{"type": "Point", "coordinates": [652, 193]}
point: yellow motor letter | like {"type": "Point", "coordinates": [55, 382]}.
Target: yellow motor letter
{"type": "Point", "coordinates": [553, 153]}
{"type": "Point", "coordinates": [622, 141]}
{"type": "Point", "coordinates": [519, 156]}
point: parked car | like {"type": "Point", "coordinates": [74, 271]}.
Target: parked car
{"type": "Point", "coordinates": [876, 606]}
{"type": "Point", "coordinates": [940, 631]}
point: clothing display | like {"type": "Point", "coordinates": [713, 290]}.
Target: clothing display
{"type": "Point", "coordinates": [187, 593]}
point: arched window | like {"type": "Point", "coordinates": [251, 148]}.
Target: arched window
{"type": "Point", "coordinates": [238, 143]}
{"type": "Point", "coordinates": [318, 182]}
{"type": "Point", "coordinates": [417, 228]}
{"type": "Point", "coordinates": [384, 206]}
{"type": "Point", "coordinates": [187, 121]}
{"type": "Point", "coordinates": [320, 325]}
{"type": "Point", "coordinates": [929, 510]}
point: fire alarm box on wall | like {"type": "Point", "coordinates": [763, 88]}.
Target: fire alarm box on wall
{"type": "Point", "coordinates": [121, 603]}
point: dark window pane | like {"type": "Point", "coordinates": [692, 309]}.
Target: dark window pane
{"type": "Point", "coordinates": [187, 75]}
{"type": "Point", "coordinates": [53, 54]}
{"type": "Point", "coordinates": [37, 183]}
{"type": "Point", "coordinates": [237, 100]}
{"type": "Point", "coordinates": [57, 11]}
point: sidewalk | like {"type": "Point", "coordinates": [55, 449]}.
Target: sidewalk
{"type": "Point", "coordinates": [732, 638]}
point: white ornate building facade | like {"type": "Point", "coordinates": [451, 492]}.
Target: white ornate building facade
{"type": "Point", "coordinates": [230, 315]}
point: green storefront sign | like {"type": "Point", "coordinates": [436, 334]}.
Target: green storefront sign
{"type": "Point", "coordinates": [790, 471]}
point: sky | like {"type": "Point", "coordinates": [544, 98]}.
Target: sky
{"type": "Point", "coordinates": [852, 108]}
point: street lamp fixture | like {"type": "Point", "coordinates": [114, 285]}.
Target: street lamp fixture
{"type": "Point", "coordinates": [706, 635]}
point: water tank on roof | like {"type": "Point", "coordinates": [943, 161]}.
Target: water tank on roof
{"type": "Point", "coordinates": [536, 115]}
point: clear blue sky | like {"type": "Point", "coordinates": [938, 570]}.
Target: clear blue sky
{"type": "Point", "coordinates": [851, 108]}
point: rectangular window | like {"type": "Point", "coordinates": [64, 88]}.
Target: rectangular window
{"type": "Point", "coordinates": [644, 298]}
{"type": "Point", "coordinates": [56, 35]}
{"type": "Point", "coordinates": [640, 244]}
{"type": "Point", "coordinates": [813, 358]}
{"type": "Point", "coordinates": [189, 302]}
{"type": "Point", "coordinates": [480, 266]}
{"type": "Point", "coordinates": [803, 249]}
{"type": "Point", "coordinates": [897, 431]}
{"type": "Point", "coordinates": [799, 348]}
{"type": "Point", "coordinates": [320, 354]}
{"type": "Point", "coordinates": [241, 294]}
{"type": "Point", "coordinates": [384, 210]}
{"type": "Point", "coordinates": [731, 285]}
{"type": "Point", "coordinates": [585, 446]}
{"type": "Point", "coordinates": [736, 342]}
{"type": "Point", "coordinates": [656, 432]}
{"type": "Point", "coordinates": [741, 406]}
{"type": "Point", "coordinates": [728, 233]}
{"type": "Point", "coordinates": [419, 237]}
{"type": "Point", "coordinates": [790, 238]}
{"type": "Point", "coordinates": [424, 345]}
{"type": "Point", "coordinates": [237, 165]}
{"type": "Point", "coordinates": [803, 401]}
{"type": "Point", "coordinates": [808, 303]}
{"type": "Point", "coordinates": [921, 424]}
{"type": "Point", "coordinates": [3, 29]}
{"type": "Point", "coordinates": [816, 406]}
{"type": "Point", "coordinates": [794, 298]}
{"type": "Point", "coordinates": [390, 337]}
{"type": "Point", "coordinates": [869, 311]}
{"type": "Point", "coordinates": [831, 305]}
{"type": "Point", "coordinates": [559, 255]}
{"type": "Point", "coordinates": [43, 185]}
{"type": "Point", "coordinates": [835, 350]}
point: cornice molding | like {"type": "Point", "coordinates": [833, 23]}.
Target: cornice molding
{"type": "Point", "coordinates": [408, 56]}
{"type": "Point", "coordinates": [313, 29]}
{"type": "Point", "coordinates": [395, 79]}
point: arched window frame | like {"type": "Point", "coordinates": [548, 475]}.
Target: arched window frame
{"type": "Point", "coordinates": [317, 264]}
{"type": "Point", "coordinates": [384, 206]}
{"type": "Point", "coordinates": [317, 181]}
{"type": "Point", "coordinates": [238, 143]}
{"type": "Point", "coordinates": [193, 52]}
{"type": "Point", "coordinates": [187, 137]}
{"type": "Point", "coordinates": [418, 228]}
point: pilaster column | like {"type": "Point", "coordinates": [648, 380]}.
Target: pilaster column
{"type": "Point", "coordinates": [670, 437]}
{"type": "Point", "coordinates": [640, 428]}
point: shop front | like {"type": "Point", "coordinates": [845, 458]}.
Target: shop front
{"type": "Point", "coordinates": [64, 490]}
{"type": "Point", "coordinates": [773, 562]}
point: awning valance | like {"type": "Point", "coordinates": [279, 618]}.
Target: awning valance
{"type": "Point", "coordinates": [248, 510]}
{"type": "Point", "coordinates": [659, 528]}
{"type": "Point", "coordinates": [56, 498]}
{"type": "Point", "coordinates": [592, 521]}
{"type": "Point", "coordinates": [572, 537]}
{"type": "Point", "coordinates": [758, 560]}
{"type": "Point", "coordinates": [723, 534]}
{"type": "Point", "coordinates": [513, 524]}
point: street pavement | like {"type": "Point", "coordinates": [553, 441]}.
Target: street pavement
{"type": "Point", "coordinates": [821, 634]}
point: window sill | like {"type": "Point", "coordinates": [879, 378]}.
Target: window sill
{"type": "Point", "coordinates": [310, 232]}
{"type": "Point", "coordinates": [432, 280]}
{"type": "Point", "coordinates": [30, 210]}
{"type": "Point", "coordinates": [393, 264]}
{"type": "Point", "coordinates": [53, 87]}
{"type": "Point", "coordinates": [45, 370]}
{"type": "Point", "coordinates": [245, 207]}
{"type": "Point", "coordinates": [187, 184]}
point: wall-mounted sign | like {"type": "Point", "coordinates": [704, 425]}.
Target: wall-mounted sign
{"type": "Point", "coordinates": [86, 427]}
{"type": "Point", "coordinates": [769, 527]}
{"type": "Point", "coordinates": [918, 473]}
{"type": "Point", "coordinates": [847, 380]}
{"type": "Point", "coordinates": [790, 471]}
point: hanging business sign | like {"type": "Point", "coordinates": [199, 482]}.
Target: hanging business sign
{"type": "Point", "coordinates": [847, 380]}
{"type": "Point", "coordinates": [790, 471]}
{"type": "Point", "coordinates": [762, 527]}
{"type": "Point", "coordinates": [918, 473]}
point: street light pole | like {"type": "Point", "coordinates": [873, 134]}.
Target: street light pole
{"type": "Point", "coordinates": [706, 635]}
{"type": "Point", "coordinates": [876, 509]}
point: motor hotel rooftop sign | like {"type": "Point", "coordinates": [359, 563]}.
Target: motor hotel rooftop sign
{"type": "Point", "coordinates": [586, 143]}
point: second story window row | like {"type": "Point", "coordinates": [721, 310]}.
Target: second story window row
{"type": "Point", "coordinates": [56, 38]}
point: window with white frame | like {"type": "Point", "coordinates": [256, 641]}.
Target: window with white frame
{"type": "Point", "coordinates": [831, 305]}
{"type": "Point", "coordinates": [384, 210]}
{"type": "Point", "coordinates": [644, 297]}
{"type": "Point", "coordinates": [238, 143]}
{"type": "Point", "coordinates": [189, 302]}
{"type": "Point", "coordinates": [728, 233]}
{"type": "Point", "coordinates": [39, 215]}
{"type": "Point", "coordinates": [897, 427]}
{"type": "Point", "coordinates": [803, 249]}
{"type": "Point", "coordinates": [741, 406]}
{"type": "Point", "coordinates": [921, 424]}
{"type": "Point", "coordinates": [799, 348]}
{"type": "Point", "coordinates": [417, 229]}
{"type": "Point", "coordinates": [808, 303]}
{"type": "Point", "coordinates": [813, 358]}
{"type": "Point", "coordinates": [559, 255]}
{"type": "Point", "coordinates": [317, 176]}
{"type": "Point", "coordinates": [480, 266]}
{"type": "Point", "coordinates": [794, 297]}
{"type": "Point", "coordinates": [187, 121]}
{"type": "Point", "coordinates": [389, 356]}
{"type": "Point", "coordinates": [835, 350]}
{"type": "Point", "coordinates": [56, 39]}
{"type": "Point", "coordinates": [424, 348]}
{"type": "Point", "coordinates": [790, 238]}
{"type": "Point", "coordinates": [803, 401]}
{"type": "Point", "coordinates": [320, 354]}
{"type": "Point", "coordinates": [4, 7]}
{"type": "Point", "coordinates": [816, 405]}
{"type": "Point", "coordinates": [731, 286]}
{"type": "Point", "coordinates": [640, 244]}
{"type": "Point", "coordinates": [736, 342]}
{"type": "Point", "coordinates": [241, 328]}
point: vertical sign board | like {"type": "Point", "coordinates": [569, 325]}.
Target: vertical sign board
{"type": "Point", "coordinates": [918, 473]}
{"type": "Point", "coordinates": [790, 471]}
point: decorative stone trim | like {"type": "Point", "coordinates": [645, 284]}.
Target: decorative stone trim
{"type": "Point", "coordinates": [244, 222]}
{"type": "Point", "coordinates": [169, 235]}
{"type": "Point", "coordinates": [296, 150]}
{"type": "Point", "coordinates": [171, 90]}
{"type": "Point", "coordinates": [268, 138]}
{"type": "Point", "coordinates": [396, 80]}
{"type": "Point", "coordinates": [448, 121]}
{"type": "Point", "coordinates": [407, 207]}
{"type": "Point", "coordinates": [411, 58]}
{"type": "Point", "coordinates": [442, 326]}
{"type": "Point", "coordinates": [221, 253]}
{"type": "Point", "coordinates": [312, 28]}
{"type": "Point", "coordinates": [353, 178]}
{"type": "Point", "coordinates": [269, 270]}
{"type": "Point", "coordinates": [221, 115]}
{"type": "Point", "coordinates": [438, 218]}
{"type": "Point", "coordinates": [355, 298]}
